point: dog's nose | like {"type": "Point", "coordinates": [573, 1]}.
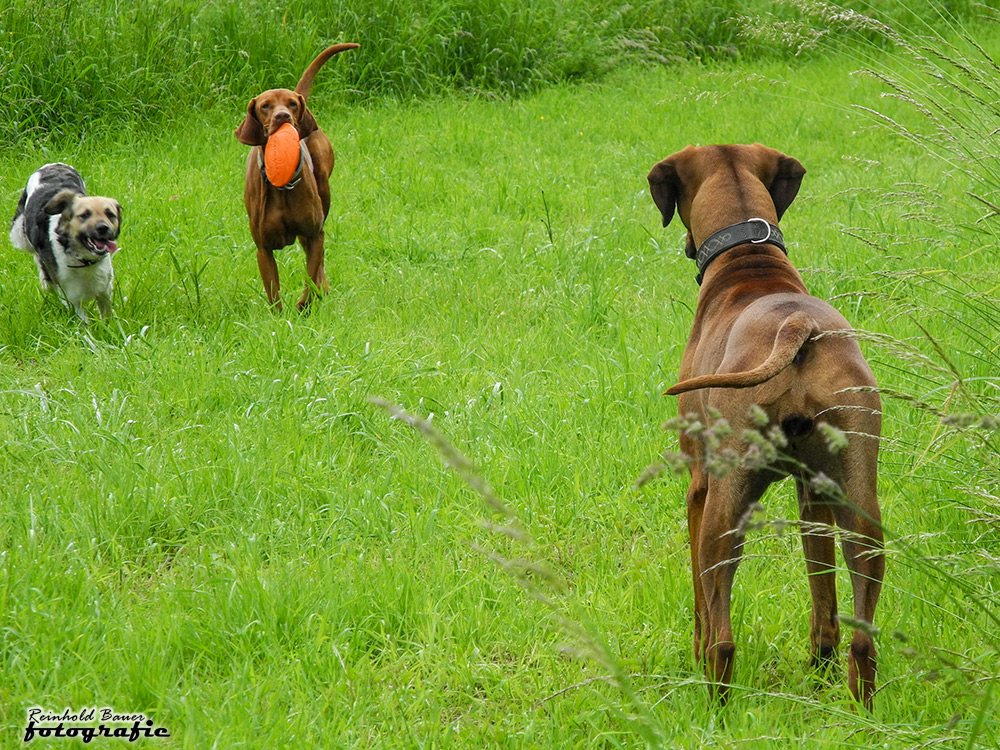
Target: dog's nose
{"type": "Point", "coordinates": [282, 116]}
{"type": "Point", "coordinates": [104, 230]}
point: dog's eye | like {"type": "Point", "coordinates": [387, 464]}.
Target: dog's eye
{"type": "Point", "coordinates": [293, 105]}
{"type": "Point", "coordinates": [265, 107]}
{"type": "Point", "coordinates": [110, 214]}
{"type": "Point", "coordinates": [84, 216]}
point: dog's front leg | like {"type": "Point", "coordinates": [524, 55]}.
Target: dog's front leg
{"type": "Point", "coordinates": [315, 268]}
{"type": "Point", "coordinates": [104, 305]}
{"type": "Point", "coordinates": [695, 510]}
{"type": "Point", "coordinates": [81, 313]}
{"type": "Point", "coordinates": [269, 275]}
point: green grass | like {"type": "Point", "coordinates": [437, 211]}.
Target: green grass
{"type": "Point", "coordinates": [74, 69]}
{"type": "Point", "coordinates": [204, 518]}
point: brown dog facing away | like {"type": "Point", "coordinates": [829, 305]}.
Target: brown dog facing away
{"type": "Point", "coordinates": [299, 209]}
{"type": "Point", "coordinates": [759, 338]}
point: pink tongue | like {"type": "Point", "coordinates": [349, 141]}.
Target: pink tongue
{"type": "Point", "coordinates": [111, 247]}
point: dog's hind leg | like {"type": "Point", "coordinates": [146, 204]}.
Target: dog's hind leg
{"type": "Point", "coordinates": [43, 275]}
{"type": "Point", "coordinates": [820, 551]}
{"type": "Point", "coordinates": [18, 232]}
{"type": "Point", "coordinates": [862, 546]}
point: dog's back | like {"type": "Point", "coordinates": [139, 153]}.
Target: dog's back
{"type": "Point", "coordinates": [30, 229]}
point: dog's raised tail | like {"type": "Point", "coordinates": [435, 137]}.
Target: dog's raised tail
{"type": "Point", "coordinates": [794, 332]}
{"type": "Point", "coordinates": [306, 81]}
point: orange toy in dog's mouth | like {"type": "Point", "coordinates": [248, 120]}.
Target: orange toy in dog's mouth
{"type": "Point", "coordinates": [281, 155]}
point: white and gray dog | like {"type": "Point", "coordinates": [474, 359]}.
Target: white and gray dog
{"type": "Point", "coordinates": [72, 236]}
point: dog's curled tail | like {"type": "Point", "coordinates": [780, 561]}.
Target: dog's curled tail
{"type": "Point", "coordinates": [794, 332]}
{"type": "Point", "coordinates": [306, 82]}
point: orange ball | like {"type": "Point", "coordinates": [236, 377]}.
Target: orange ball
{"type": "Point", "coordinates": [281, 155]}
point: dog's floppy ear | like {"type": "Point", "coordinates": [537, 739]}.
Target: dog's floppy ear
{"type": "Point", "coordinates": [664, 186]}
{"type": "Point", "coordinates": [785, 185]}
{"type": "Point", "coordinates": [118, 211]}
{"type": "Point", "coordinates": [60, 202]}
{"type": "Point", "coordinates": [307, 123]}
{"type": "Point", "coordinates": [251, 132]}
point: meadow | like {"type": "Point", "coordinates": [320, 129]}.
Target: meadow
{"type": "Point", "coordinates": [205, 517]}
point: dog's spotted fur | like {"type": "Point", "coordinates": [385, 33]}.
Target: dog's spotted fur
{"type": "Point", "coordinates": [71, 235]}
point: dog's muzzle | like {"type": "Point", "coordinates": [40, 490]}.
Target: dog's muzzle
{"type": "Point", "coordinates": [102, 241]}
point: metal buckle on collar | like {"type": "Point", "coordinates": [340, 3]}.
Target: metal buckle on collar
{"type": "Point", "coordinates": [767, 227]}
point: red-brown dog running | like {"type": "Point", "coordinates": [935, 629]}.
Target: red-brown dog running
{"type": "Point", "coordinates": [299, 208]}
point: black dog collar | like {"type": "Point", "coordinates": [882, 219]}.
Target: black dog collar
{"type": "Point", "coordinates": [296, 178]}
{"type": "Point", "coordinates": [754, 231]}
{"type": "Point", "coordinates": [85, 263]}
{"type": "Point", "coordinates": [80, 262]}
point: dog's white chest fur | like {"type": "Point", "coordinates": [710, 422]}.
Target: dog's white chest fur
{"type": "Point", "coordinates": [80, 285]}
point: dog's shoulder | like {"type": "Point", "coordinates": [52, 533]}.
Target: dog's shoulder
{"type": "Point", "coordinates": [44, 185]}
